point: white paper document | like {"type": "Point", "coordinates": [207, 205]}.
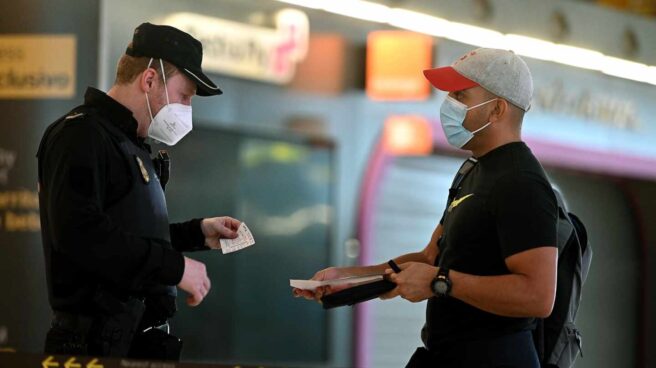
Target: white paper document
{"type": "Point", "coordinates": [353, 281]}
{"type": "Point", "coordinates": [244, 239]}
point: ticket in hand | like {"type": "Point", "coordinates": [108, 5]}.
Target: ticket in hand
{"type": "Point", "coordinates": [244, 239]}
{"type": "Point", "coordinates": [350, 281]}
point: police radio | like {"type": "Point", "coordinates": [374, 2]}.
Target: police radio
{"type": "Point", "coordinates": [162, 165]}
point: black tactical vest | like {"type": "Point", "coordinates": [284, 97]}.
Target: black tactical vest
{"type": "Point", "coordinates": [142, 210]}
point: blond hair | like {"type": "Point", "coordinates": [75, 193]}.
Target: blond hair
{"type": "Point", "coordinates": [130, 67]}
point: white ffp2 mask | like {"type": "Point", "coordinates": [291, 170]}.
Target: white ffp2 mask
{"type": "Point", "coordinates": [172, 122]}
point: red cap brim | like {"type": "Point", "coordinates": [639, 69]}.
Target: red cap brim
{"type": "Point", "coordinates": [448, 79]}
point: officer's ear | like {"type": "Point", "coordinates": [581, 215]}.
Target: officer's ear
{"type": "Point", "coordinates": [148, 80]}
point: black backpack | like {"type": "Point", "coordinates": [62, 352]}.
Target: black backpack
{"type": "Point", "coordinates": [556, 337]}
{"type": "Point", "coordinates": [557, 340]}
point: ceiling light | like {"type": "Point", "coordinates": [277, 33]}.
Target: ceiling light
{"type": "Point", "coordinates": [482, 37]}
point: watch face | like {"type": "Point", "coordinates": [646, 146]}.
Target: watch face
{"type": "Point", "coordinates": [440, 287]}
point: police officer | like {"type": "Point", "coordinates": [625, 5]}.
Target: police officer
{"type": "Point", "coordinates": [112, 259]}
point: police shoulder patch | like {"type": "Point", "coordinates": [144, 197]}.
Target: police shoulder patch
{"type": "Point", "coordinates": [74, 115]}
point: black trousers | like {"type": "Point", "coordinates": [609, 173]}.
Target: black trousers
{"type": "Point", "coordinates": [510, 351]}
{"type": "Point", "coordinates": [72, 335]}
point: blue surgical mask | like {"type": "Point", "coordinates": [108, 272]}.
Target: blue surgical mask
{"type": "Point", "coordinates": [452, 115]}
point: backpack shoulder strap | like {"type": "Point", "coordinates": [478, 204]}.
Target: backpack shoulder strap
{"type": "Point", "coordinates": [465, 168]}
{"type": "Point", "coordinates": [586, 249]}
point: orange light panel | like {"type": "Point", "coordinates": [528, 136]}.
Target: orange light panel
{"type": "Point", "coordinates": [323, 69]}
{"type": "Point", "coordinates": [395, 61]}
{"type": "Point", "coordinates": [409, 135]}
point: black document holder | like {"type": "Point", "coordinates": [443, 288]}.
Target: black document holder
{"type": "Point", "coordinates": [357, 294]}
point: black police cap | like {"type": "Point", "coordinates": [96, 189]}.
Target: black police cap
{"type": "Point", "coordinates": [176, 47]}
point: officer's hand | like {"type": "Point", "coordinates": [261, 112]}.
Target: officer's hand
{"type": "Point", "coordinates": [195, 281]}
{"type": "Point", "coordinates": [216, 228]}
{"type": "Point", "coordinates": [413, 283]}
{"type": "Point", "coordinates": [325, 274]}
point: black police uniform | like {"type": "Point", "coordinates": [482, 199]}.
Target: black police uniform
{"type": "Point", "coordinates": [112, 258]}
{"type": "Point", "coordinates": [505, 205]}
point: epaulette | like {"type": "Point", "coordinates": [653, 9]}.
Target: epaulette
{"type": "Point", "coordinates": [74, 115]}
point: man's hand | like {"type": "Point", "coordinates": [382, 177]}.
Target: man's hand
{"type": "Point", "coordinates": [216, 228]}
{"type": "Point", "coordinates": [413, 283]}
{"type": "Point", "coordinates": [195, 281]}
{"type": "Point", "coordinates": [325, 274]}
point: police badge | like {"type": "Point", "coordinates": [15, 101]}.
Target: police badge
{"type": "Point", "coordinates": [142, 168]}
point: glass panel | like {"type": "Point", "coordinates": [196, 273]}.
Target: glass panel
{"type": "Point", "coordinates": [282, 190]}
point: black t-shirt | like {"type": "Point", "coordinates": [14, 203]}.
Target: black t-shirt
{"type": "Point", "coordinates": [505, 206]}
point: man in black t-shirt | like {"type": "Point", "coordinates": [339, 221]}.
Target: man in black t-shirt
{"type": "Point", "coordinates": [490, 266]}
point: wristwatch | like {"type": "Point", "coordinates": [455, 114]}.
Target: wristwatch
{"type": "Point", "coordinates": [441, 284]}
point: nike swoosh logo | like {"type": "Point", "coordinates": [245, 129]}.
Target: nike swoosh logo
{"type": "Point", "coordinates": [457, 202]}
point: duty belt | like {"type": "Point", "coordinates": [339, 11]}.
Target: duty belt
{"type": "Point", "coordinates": [72, 322]}
{"type": "Point", "coordinates": [163, 327]}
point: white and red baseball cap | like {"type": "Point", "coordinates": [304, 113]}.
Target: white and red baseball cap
{"type": "Point", "coordinates": [501, 72]}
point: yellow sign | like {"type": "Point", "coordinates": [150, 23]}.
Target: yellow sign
{"type": "Point", "coordinates": [37, 66]}
{"type": "Point", "coordinates": [72, 364]}
{"type": "Point", "coordinates": [94, 364]}
{"type": "Point", "coordinates": [19, 211]}
{"type": "Point", "coordinates": [49, 362]}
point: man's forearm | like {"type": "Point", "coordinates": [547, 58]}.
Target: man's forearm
{"type": "Point", "coordinates": [410, 257]}
{"type": "Point", "coordinates": [380, 268]}
{"type": "Point", "coordinates": [506, 295]}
